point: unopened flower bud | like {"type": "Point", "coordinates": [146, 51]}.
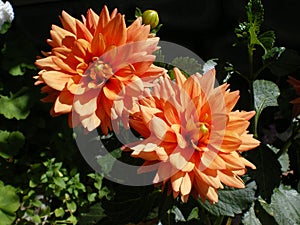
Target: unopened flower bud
{"type": "Point", "coordinates": [150, 17]}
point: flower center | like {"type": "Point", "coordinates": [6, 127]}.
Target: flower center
{"type": "Point", "coordinates": [98, 73]}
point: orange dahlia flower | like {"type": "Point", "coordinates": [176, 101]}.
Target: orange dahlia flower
{"type": "Point", "coordinates": [296, 102]}
{"type": "Point", "coordinates": [193, 139]}
{"type": "Point", "coordinates": [97, 67]}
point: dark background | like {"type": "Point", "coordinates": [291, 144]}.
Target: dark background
{"type": "Point", "coordinates": [203, 26]}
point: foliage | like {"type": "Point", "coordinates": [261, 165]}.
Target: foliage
{"type": "Point", "coordinates": [44, 179]}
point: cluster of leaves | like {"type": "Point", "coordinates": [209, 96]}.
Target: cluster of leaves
{"type": "Point", "coordinates": [45, 180]}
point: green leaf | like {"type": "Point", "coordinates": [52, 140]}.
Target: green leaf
{"type": "Point", "coordinates": [250, 218]}
{"type": "Point", "coordinates": [93, 215]}
{"type": "Point", "coordinates": [5, 27]}
{"type": "Point", "coordinates": [267, 173]}
{"type": "Point", "coordinates": [107, 161]}
{"type": "Point", "coordinates": [267, 39]}
{"type": "Point", "coordinates": [60, 212]}
{"type": "Point", "coordinates": [20, 69]}
{"type": "Point", "coordinates": [273, 54]}
{"type": "Point", "coordinates": [17, 105]}
{"type": "Point", "coordinates": [10, 143]}
{"type": "Point", "coordinates": [187, 64]}
{"type": "Point", "coordinates": [9, 203]}
{"type": "Point", "coordinates": [71, 206]}
{"type": "Point", "coordinates": [284, 206]}
{"type": "Point", "coordinates": [232, 201]}
{"type": "Point", "coordinates": [265, 94]}
{"type": "Point", "coordinates": [194, 214]}
{"type": "Point", "coordinates": [179, 217]}
{"type": "Point", "coordinates": [59, 181]}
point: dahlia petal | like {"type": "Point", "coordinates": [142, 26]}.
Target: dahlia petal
{"type": "Point", "coordinates": [242, 114]}
{"type": "Point", "coordinates": [179, 77]}
{"type": "Point", "coordinates": [62, 66]}
{"type": "Point", "coordinates": [91, 21]}
{"type": "Point", "coordinates": [104, 18]}
{"type": "Point", "coordinates": [211, 160]}
{"type": "Point", "coordinates": [231, 99]}
{"type": "Point", "coordinates": [179, 158]}
{"type": "Point", "coordinates": [248, 142]}
{"type": "Point", "coordinates": [186, 186]}
{"type": "Point", "coordinates": [233, 161]}
{"type": "Point", "coordinates": [85, 104]}
{"type": "Point", "coordinates": [176, 180]}
{"type": "Point", "coordinates": [136, 31]}
{"type": "Point", "coordinates": [98, 44]}
{"type": "Point", "coordinates": [63, 103]}
{"type": "Point", "coordinates": [209, 177]}
{"type": "Point", "coordinates": [115, 31]}
{"type": "Point", "coordinates": [83, 32]}
{"type": "Point", "coordinates": [207, 81]}
{"type": "Point", "coordinates": [230, 179]}
{"type": "Point", "coordinates": [90, 122]}
{"type": "Point", "coordinates": [161, 130]}
{"type": "Point", "coordinates": [113, 89]}
{"type": "Point", "coordinates": [68, 22]}
{"type": "Point", "coordinates": [237, 124]}
{"type": "Point", "coordinates": [47, 63]}
{"type": "Point", "coordinates": [228, 142]}
{"type": "Point", "coordinates": [134, 86]}
{"type": "Point", "coordinates": [164, 172]}
{"type": "Point", "coordinates": [55, 79]}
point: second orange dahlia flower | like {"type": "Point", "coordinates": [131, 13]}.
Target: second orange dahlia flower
{"type": "Point", "coordinates": [192, 138]}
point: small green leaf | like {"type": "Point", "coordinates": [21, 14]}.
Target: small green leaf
{"type": "Point", "coordinates": [179, 217]}
{"type": "Point", "coordinates": [60, 212]}
{"type": "Point", "coordinates": [36, 219]}
{"type": "Point", "coordinates": [250, 218]}
{"type": "Point", "coordinates": [20, 69]}
{"type": "Point", "coordinates": [59, 181]}
{"type": "Point", "coordinates": [10, 143]}
{"type": "Point", "coordinates": [284, 206]}
{"type": "Point", "coordinates": [17, 105]}
{"type": "Point", "coordinates": [9, 203]}
{"type": "Point", "coordinates": [273, 54]}
{"type": "Point", "coordinates": [194, 214]}
{"type": "Point", "coordinates": [71, 206]}
{"type": "Point", "coordinates": [5, 27]}
{"type": "Point", "coordinates": [232, 201]}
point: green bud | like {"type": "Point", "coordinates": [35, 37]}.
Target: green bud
{"type": "Point", "coordinates": [150, 17]}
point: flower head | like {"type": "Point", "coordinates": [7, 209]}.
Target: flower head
{"type": "Point", "coordinates": [97, 67]}
{"type": "Point", "coordinates": [296, 102]}
{"type": "Point", "coordinates": [193, 139]}
{"type": "Point", "coordinates": [6, 13]}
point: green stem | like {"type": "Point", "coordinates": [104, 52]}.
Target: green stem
{"type": "Point", "coordinates": [251, 92]}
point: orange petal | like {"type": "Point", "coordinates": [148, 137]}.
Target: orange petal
{"type": "Point", "coordinates": [55, 79]}
{"type": "Point", "coordinates": [63, 103]}
{"type": "Point", "coordinates": [115, 31]}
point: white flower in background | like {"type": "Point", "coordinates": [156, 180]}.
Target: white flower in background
{"type": "Point", "coordinates": [6, 13]}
